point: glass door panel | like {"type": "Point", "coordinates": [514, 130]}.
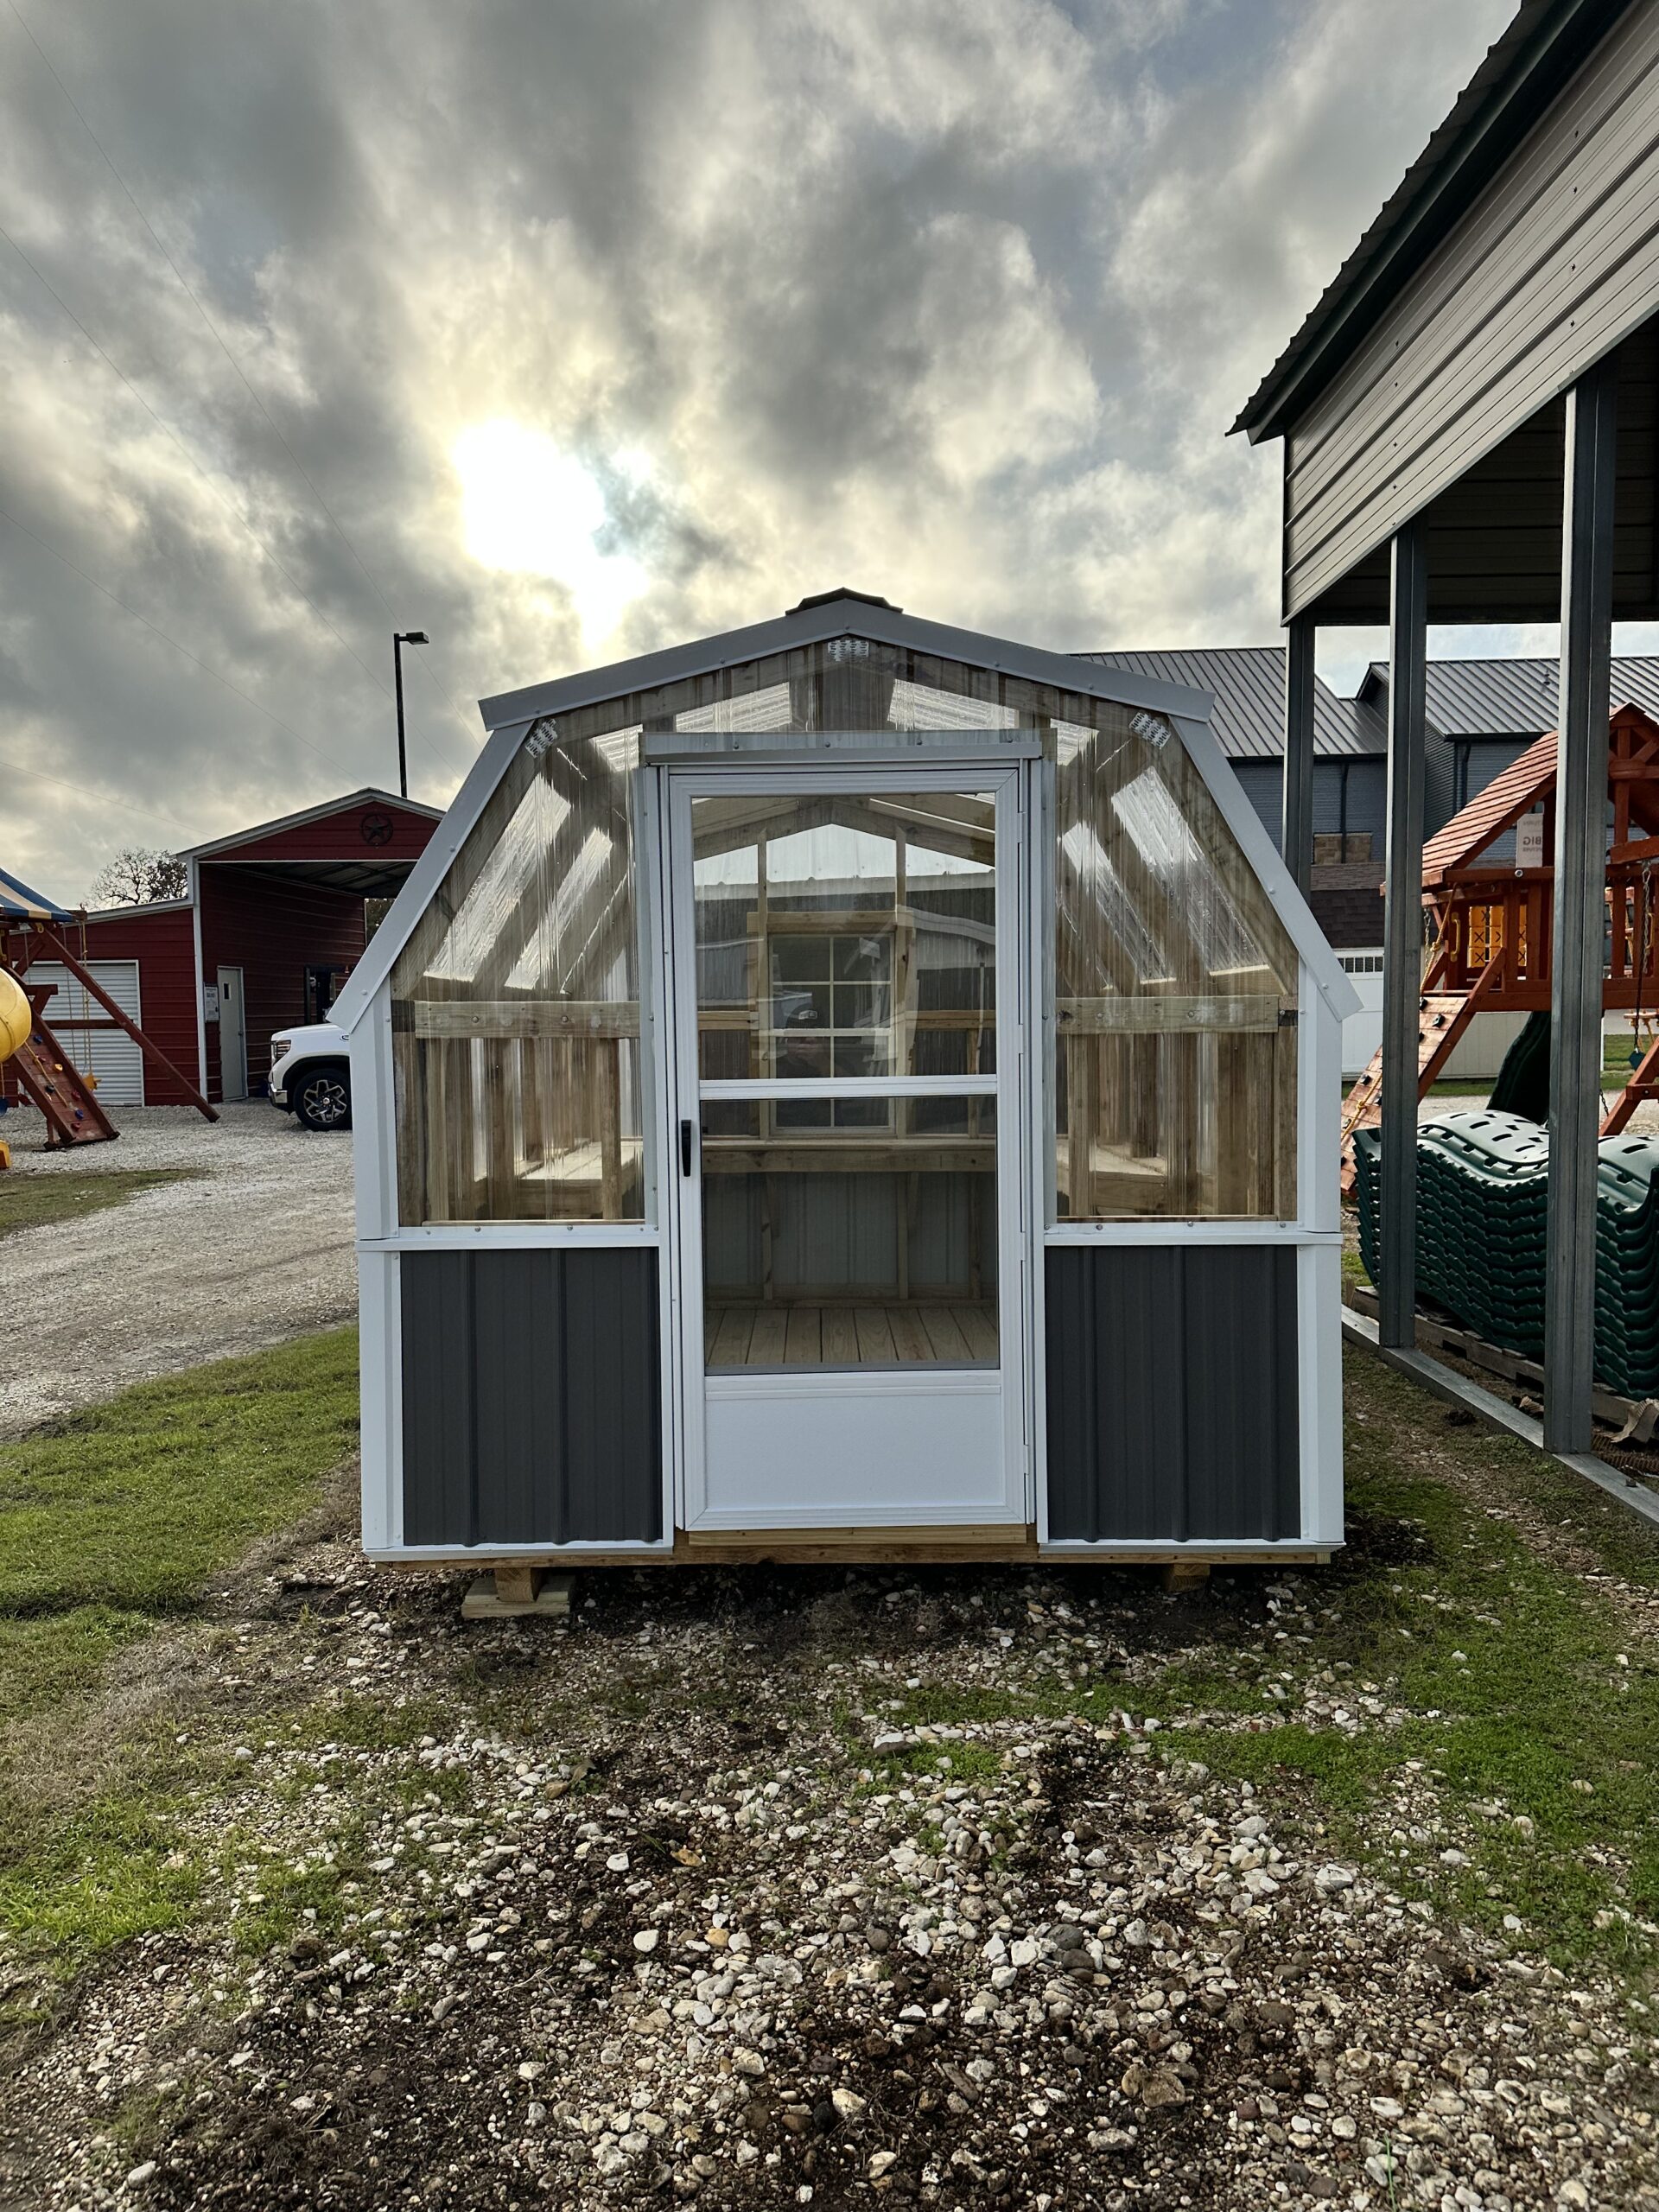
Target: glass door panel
{"type": "Point", "coordinates": [845, 962]}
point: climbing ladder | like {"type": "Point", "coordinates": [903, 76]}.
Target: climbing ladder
{"type": "Point", "coordinates": [1442, 1017]}
{"type": "Point", "coordinates": [51, 1081]}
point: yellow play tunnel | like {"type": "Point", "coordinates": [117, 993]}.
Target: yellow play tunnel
{"type": "Point", "coordinates": [16, 1020]}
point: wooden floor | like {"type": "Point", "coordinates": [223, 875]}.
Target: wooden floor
{"type": "Point", "coordinates": [851, 1336]}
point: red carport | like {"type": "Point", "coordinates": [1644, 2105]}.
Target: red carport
{"type": "Point", "coordinates": [272, 922]}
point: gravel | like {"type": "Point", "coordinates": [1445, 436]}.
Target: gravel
{"type": "Point", "coordinates": [627, 1942]}
{"type": "Point", "coordinates": [259, 1248]}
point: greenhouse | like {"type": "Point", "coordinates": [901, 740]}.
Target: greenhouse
{"type": "Point", "coordinates": [849, 1087]}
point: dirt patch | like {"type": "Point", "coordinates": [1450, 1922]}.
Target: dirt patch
{"type": "Point", "coordinates": [684, 1902]}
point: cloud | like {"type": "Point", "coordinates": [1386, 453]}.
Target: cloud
{"type": "Point", "coordinates": [562, 330]}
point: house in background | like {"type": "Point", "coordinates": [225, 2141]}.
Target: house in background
{"type": "Point", "coordinates": [1482, 714]}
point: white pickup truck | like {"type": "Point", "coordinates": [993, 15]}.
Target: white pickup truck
{"type": "Point", "coordinates": [311, 1076]}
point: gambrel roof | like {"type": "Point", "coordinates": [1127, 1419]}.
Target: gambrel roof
{"type": "Point", "coordinates": [510, 715]}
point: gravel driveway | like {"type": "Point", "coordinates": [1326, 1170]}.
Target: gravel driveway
{"type": "Point", "coordinates": [258, 1249]}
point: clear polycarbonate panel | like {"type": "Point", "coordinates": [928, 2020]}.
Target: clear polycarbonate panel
{"type": "Point", "coordinates": [516, 1003]}
{"type": "Point", "coordinates": [846, 686]}
{"type": "Point", "coordinates": [1177, 992]}
{"type": "Point", "coordinates": [845, 935]}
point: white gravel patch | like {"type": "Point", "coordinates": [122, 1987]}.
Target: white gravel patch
{"type": "Point", "coordinates": [258, 1249]}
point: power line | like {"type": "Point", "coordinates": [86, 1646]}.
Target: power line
{"type": "Point", "coordinates": [219, 339]}
{"type": "Point", "coordinates": [75, 568]}
{"type": "Point", "coordinates": [84, 791]}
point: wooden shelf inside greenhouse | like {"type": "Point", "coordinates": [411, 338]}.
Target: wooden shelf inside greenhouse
{"type": "Point", "coordinates": [878, 1334]}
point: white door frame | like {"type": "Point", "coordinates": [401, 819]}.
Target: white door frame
{"type": "Point", "coordinates": [967, 1395]}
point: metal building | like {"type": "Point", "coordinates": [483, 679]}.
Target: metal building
{"type": "Point", "coordinates": [849, 1087]}
{"type": "Point", "coordinates": [1468, 421]}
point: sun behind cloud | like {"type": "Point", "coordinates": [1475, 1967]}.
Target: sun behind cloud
{"type": "Point", "coordinates": [529, 508]}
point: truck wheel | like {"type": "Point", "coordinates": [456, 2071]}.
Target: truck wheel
{"type": "Point", "coordinates": [323, 1097]}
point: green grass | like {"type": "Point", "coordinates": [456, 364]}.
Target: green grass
{"type": "Point", "coordinates": [110, 1523]}
{"type": "Point", "coordinates": [1509, 1668]}
{"type": "Point", "coordinates": [34, 1201]}
{"type": "Point", "coordinates": [126, 1508]}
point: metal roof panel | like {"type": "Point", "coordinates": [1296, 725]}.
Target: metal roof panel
{"type": "Point", "coordinates": [1247, 684]}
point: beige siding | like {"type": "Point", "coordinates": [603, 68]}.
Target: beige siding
{"type": "Point", "coordinates": [1555, 262]}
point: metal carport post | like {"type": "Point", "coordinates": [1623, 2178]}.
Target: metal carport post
{"type": "Point", "coordinates": [1402, 934]}
{"type": "Point", "coordinates": [1581, 907]}
{"type": "Point", "coordinates": [1296, 840]}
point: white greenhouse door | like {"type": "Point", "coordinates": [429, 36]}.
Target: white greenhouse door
{"type": "Point", "coordinates": [846, 981]}
{"type": "Point", "coordinates": [232, 1036]}
{"type": "Point", "coordinates": [107, 1054]}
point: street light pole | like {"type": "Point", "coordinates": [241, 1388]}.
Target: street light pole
{"type": "Point", "coordinates": [399, 639]}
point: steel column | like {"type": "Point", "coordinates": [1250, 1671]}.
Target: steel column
{"type": "Point", "coordinates": [1403, 933]}
{"type": "Point", "coordinates": [1296, 840]}
{"type": "Point", "coordinates": [1581, 907]}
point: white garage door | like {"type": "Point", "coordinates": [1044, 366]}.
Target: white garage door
{"type": "Point", "coordinates": [109, 1054]}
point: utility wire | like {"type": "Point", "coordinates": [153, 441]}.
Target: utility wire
{"type": "Point", "coordinates": [86, 791]}
{"type": "Point", "coordinates": [219, 339]}
{"type": "Point", "coordinates": [75, 567]}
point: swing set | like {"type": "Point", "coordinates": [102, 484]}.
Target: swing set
{"type": "Point", "coordinates": [1492, 918]}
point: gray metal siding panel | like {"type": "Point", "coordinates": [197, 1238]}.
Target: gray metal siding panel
{"type": "Point", "coordinates": [1440, 782]}
{"type": "Point", "coordinates": [1554, 264]}
{"type": "Point", "coordinates": [1172, 1399]}
{"type": "Point", "coordinates": [440, 1375]}
{"type": "Point", "coordinates": [531, 1397]}
{"type": "Point", "coordinates": [1555, 183]}
{"type": "Point", "coordinates": [1262, 783]}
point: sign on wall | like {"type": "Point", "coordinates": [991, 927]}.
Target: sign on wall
{"type": "Point", "coordinates": [1529, 841]}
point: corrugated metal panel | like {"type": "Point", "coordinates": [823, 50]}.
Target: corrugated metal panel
{"type": "Point", "coordinates": [1555, 262]}
{"type": "Point", "coordinates": [1367, 801]}
{"type": "Point", "coordinates": [1536, 53]}
{"type": "Point", "coordinates": [1520, 698]}
{"type": "Point", "coordinates": [1249, 683]}
{"type": "Point", "coordinates": [1172, 1411]}
{"type": "Point", "coordinates": [109, 1055]}
{"type": "Point", "coordinates": [531, 1397]}
{"type": "Point", "coordinates": [1511, 698]}
{"type": "Point", "coordinates": [1262, 783]}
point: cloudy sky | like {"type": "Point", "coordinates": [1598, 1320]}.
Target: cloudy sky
{"type": "Point", "coordinates": [565, 328]}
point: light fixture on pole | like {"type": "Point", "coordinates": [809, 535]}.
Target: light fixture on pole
{"type": "Point", "coordinates": [399, 639]}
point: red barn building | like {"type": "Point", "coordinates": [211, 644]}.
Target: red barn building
{"type": "Point", "coordinates": [272, 922]}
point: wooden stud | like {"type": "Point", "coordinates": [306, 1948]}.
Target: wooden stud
{"type": "Point", "coordinates": [517, 1590]}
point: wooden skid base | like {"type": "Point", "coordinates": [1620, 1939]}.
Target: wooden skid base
{"type": "Point", "coordinates": [861, 1548]}
{"type": "Point", "coordinates": [511, 1592]}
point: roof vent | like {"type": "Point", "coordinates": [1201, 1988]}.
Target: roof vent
{"type": "Point", "coordinates": [829, 598]}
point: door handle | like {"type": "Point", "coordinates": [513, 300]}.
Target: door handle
{"type": "Point", "coordinates": [688, 1137]}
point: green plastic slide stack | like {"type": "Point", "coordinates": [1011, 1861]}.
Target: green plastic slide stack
{"type": "Point", "coordinates": [1482, 1179]}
